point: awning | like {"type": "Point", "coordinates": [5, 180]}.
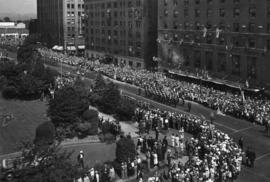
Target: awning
{"type": "Point", "coordinates": [81, 47]}
{"type": "Point", "coordinates": [55, 47]}
{"type": "Point", "coordinates": [71, 48]}
{"type": "Point", "coordinates": [60, 48]}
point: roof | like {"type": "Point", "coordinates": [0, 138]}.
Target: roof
{"type": "Point", "coordinates": [13, 30]}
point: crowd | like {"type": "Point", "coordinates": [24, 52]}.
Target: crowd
{"type": "Point", "coordinates": [56, 57]}
{"type": "Point", "coordinates": [170, 91]}
{"type": "Point", "coordinates": [213, 156]}
{"type": "Point", "coordinates": [11, 43]}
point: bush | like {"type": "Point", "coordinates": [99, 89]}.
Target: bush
{"type": "Point", "coordinates": [91, 116]}
{"type": "Point", "coordinates": [125, 110]}
{"type": "Point", "coordinates": [83, 129]}
{"type": "Point", "coordinates": [45, 134]}
{"type": "Point", "coordinates": [9, 92]}
{"type": "Point", "coordinates": [108, 137]}
{"type": "Point", "coordinates": [3, 82]}
{"type": "Point", "coordinates": [125, 148]}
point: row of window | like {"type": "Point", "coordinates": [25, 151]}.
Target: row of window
{"type": "Point", "coordinates": [130, 24]}
{"type": "Point", "coordinates": [131, 45]}
{"type": "Point", "coordinates": [222, 63]}
{"type": "Point", "coordinates": [236, 27]}
{"type": "Point", "coordinates": [221, 12]}
{"type": "Point", "coordinates": [103, 32]}
{"type": "Point", "coordinates": [123, 52]}
{"type": "Point", "coordinates": [209, 2]}
{"type": "Point", "coordinates": [134, 13]}
{"type": "Point", "coordinates": [72, 6]}
{"type": "Point", "coordinates": [235, 41]}
{"type": "Point", "coordinates": [115, 4]}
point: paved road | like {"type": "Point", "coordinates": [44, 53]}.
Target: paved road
{"type": "Point", "coordinates": [254, 135]}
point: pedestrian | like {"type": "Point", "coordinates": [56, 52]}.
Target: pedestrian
{"type": "Point", "coordinates": [157, 133]}
{"type": "Point", "coordinates": [189, 106]}
{"type": "Point", "coordinates": [173, 140]}
{"type": "Point", "coordinates": [241, 142]}
{"type": "Point", "coordinates": [80, 159]}
{"type": "Point", "coordinates": [252, 158]}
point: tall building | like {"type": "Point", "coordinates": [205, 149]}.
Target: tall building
{"type": "Point", "coordinates": [61, 22]}
{"type": "Point", "coordinates": [230, 37]}
{"type": "Point", "coordinates": [124, 30]}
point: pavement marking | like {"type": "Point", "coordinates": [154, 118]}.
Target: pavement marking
{"type": "Point", "coordinates": [263, 156]}
{"type": "Point", "coordinates": [222, 125]}
{"type": "Point", "coordinates": [244, 129]}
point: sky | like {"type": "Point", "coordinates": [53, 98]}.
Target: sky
{"type": "Point", "coordinates": [18, 6]}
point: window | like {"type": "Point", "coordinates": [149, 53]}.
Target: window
{"type": "Point", "coordinates": [197, 59]}
{"type": "Point", "coordinates": [209, 60]}
{"type": "Point", "coordinates": [251, 67]}
{"type": "Point", "coordinates": [236, 27]}
{"type": "Point", "coordinates": [236, 12]}
{"type": "Point", "coordinates": [209, 13]}
{"type": "Point", "coordinates": [185, 12]}
{"type": "Point", "coordinates": [268, 44]}
{"type": "Point", "coordinates": [236, 65]}
{"type": "Point", "coordinates": [221, 12]}
{"type": "Point", "coordinates": [252, 12]}
{"type": "Point", "coordinates": [221, 62]}
{"type": "Point", "coordinates": [251, 43]}
{"type": "Point", "coordinates": [197, 13]}
{"type": "Point", "coordinates": [251, 27]}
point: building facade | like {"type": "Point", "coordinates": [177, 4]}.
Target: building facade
{"type": "Point", "coordinates": [61, 22]}
{"type": "Point", "coordinates": [230, 37]}
{"type": "Point", "coordinates": [124, 30]}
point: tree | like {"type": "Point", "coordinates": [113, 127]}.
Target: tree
{"type": "Point", "coordinates": [67, 106]}
{"type": "Point", "coordinates": [110, 99]}
{"type": "Point", "coordinates": [100, 84]}
{"type": "Point", "coordinates": [29, 87]}
{"type": "Point", "coordinates": [7, 19]}
{"type": "Point", "coordinates": [125, 110]}
{"type": "Point", "coordinates": [125, 148]}
{"type": "Point", "coordinates": [49, 164]}
{"type": "Point", "coordinates": [45, 134]}
{"type": "Point", "coordinates": [91, 116]}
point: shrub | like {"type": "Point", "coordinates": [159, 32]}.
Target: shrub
{"type": "Point", "coordinates": [9, 92]}
{"type": "Point", "coordinates": [3, 82]}
{"type": "Point", "coordinates": [125, 148]}
{"type": "Point", "coordinates": [83, 129]}
{"type": "Point", "coordinates": [125, 110]}
{"type": "Point", "coordinates": [91, 116]}
{"type": "Point", "coordinates": [45, 134]}
{"type": "Point", "coordinates": [108, 137]}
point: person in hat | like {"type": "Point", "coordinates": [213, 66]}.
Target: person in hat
{"type": "Point", "coordinates": [80, 159]}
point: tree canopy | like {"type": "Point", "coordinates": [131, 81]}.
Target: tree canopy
{"type": "Point", "coordinates": [67, 106]}
{"type": "Point", "coordinates": [49, 164]}
{"type": "Point", "coordinates": [125, 148]}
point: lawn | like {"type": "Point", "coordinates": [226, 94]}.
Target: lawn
{"type": "Point", "coordinates": [28, 115]}
{"type": "Point", "coordinates": [94, 153]}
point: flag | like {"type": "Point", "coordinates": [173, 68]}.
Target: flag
{"type": "Point", "coordinates": [204, 31]}
{"type": "Point", "coordinates": [247, 84]}
{"type": "Point", "coordinates": [219, 112]}
{"type": "Point", "coordinates": [218, 33]}
{"type": "Point", "coordinates": [243, 95]}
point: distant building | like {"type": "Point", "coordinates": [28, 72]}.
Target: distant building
{"type": "Point", "coordinates": [61, 23]}
{"type": "Point", "coordinates": [123, 30]}
{"type": "Point", "coordinates": [230, 37]}
{"type": "Point", "coordinates": [13, 30]}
